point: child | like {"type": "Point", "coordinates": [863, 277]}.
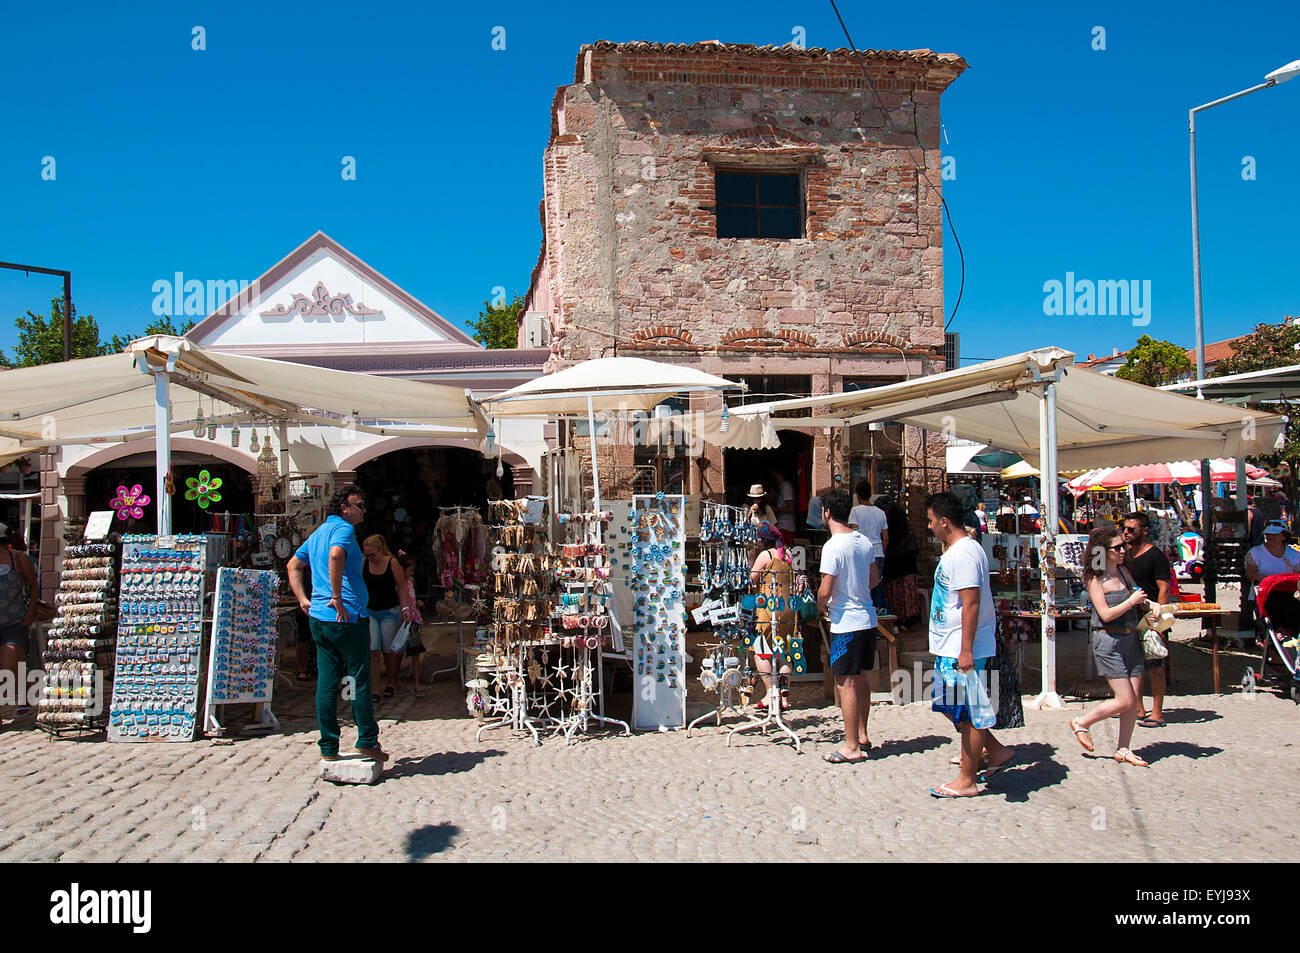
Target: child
{"type": "Point", "coordinates": [414, 644]}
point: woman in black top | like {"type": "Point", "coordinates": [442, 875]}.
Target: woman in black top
{"type": "Point", "coordinates": [388, 607]}
{"type": "Point", "coordinates": [898, 574]}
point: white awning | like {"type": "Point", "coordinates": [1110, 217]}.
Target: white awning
{"type": "Point", "coordinates": [76, 401]}
{"type": "Point", "coordinates": [611, 383]}
{"type": "Point", "coordinates": [1101, 421]}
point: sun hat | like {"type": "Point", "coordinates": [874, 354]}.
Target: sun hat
{"type": "Point", "coordinates": [756, 490]}
{"type": "Point", "coordinates": [1275, 526]}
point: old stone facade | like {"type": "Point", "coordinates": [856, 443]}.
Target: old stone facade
{"type": "Point", "coordinates": [632, 261]}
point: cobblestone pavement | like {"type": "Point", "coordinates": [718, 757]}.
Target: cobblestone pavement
{"type": "Point", "coordinates": [1216, 791]}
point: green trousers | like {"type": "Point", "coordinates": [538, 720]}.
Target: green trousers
{"type": "Point", "coordinates": [343, 658]}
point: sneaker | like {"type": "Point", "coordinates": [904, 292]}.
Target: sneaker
{"type": "Point", "coordinates": [373, 754]}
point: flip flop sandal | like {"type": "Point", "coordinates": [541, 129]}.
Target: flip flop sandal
{"type": "Point", "coordinates": [990, 772]}
{"type": "Point", "coordinates": [1085, 743]}
{"type": "Point", "coordinates": [1151, 723]}
{"type": "Point", "coordinates": [946, 793]}
{"type": "Point", "coordinates": [304, 677]}
{"type": "Point", "coordinates": [956, 759]}
{"type": "Point", "coordinates": [836, 758]}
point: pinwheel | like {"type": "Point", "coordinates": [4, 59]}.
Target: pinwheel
{"type": "Point", "coordinates": [204, 489]}
{"type": "Point", "coordinates": [130, 503]}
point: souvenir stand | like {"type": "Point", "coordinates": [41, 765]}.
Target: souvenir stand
{"type": "Point", "coordinates": [80, 643]}
{"type": "Point", "coordinates": [241, 663]}
{"type": "Point", "coordinates": [723, 573]}
{"type": "Point", "coordinates": [461, 559]}
{"type": "Point", "coordinates": [159, 636]}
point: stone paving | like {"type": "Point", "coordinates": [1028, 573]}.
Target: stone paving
{"type": "Point", "coordinates": [1217, 790]}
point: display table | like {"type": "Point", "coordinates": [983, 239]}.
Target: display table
{"type": "Point", "coordinates": [1211, 617]}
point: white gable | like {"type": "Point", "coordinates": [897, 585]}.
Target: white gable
{"type": "Point", "coordinates": [322, 301]}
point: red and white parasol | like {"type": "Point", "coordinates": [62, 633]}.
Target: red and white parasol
{"type": "Point", "coordinates": [1184, 471]}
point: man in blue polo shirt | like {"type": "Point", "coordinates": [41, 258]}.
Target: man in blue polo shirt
{"type": "Point", "coordinates": [336, 611]}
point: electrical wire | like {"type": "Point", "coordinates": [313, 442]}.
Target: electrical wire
{"type": "Point", "coordinates": [961, 255]}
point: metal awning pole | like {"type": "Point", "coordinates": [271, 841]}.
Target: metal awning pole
{"type": "Point", "coordinates": [163, 445]}
{"type": "Point", "coordinates": [1047, 438]}
{"type": "Point", "coordinates": [595, 465]}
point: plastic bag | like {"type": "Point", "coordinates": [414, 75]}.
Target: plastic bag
{"type": "Point", "coordinates": [399, 640]}
{"type": "Point", "coordinates": [982, 714]}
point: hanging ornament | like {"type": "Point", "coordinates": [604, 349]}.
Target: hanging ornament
{"type": "Point", "coordinates": [268, 472]}
{"type": "Point", "coordinates": [199, 425]}
{"type": "Point", "coordinates": [724, 422]}
{"type": "Point", "coordinates": [501, 470]}
{"type": "Point", "coordinates": [169, 484]}
{"type": "Point", "coordinates": [234, 436]}
{"type": "Point", "coordinates": [130, 504]}
{"type": "Point", "coordinates": [252, 444]}
{"type": "Point", "coordinates": [203, 490]}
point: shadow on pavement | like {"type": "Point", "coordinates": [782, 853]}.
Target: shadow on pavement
{"type": "Point", "coordinates": [440, 763]}
{"type": "Point", "coordinates": [888, 749]}
{"type": "Point", "coordinates": [1189, 716]}
{"type": "Point", "coordinates": [1159, 750]}
{"type": "Point", "coordinates": [1034, 770]}
{"type": "Point", "coordinates": [430, 839]}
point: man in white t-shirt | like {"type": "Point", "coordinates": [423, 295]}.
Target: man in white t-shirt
{"type": "Point", "coordinates": [962, 639]}
{"type": "Point", "coordinates": [870, 521]}
{"type": "Point", "coordinates": [849, 572]}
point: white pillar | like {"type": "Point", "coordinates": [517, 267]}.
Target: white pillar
{"type": "Point", "coordinates": [595, 465]}
{"type": "Point", "coordinates": [1241, 483]}
{"type": "Point", "coordinates": [1047, 697]}
{"type": "Point", "coordinates": [163, 443]}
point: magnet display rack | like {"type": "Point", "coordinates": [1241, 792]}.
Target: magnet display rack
{"type": "Point", "coordinates": [658, 540]}
{"type": "Point", "coordinates": [159, 639]}
{"type": "Point", "coordinates": [241, 663]}
{"type": "Point", "coordinates": [79, 648]}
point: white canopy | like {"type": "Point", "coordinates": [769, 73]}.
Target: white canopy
{"type": "Point", "coordinates": [611, 383]}
{"type": "Point", "coordinates": [74, 401]}
{"type": "Point", "coordinates": [1100, 420]}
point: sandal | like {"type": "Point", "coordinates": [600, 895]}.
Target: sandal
{"type": "Point", "coordinates": [943, 791]}
{"type": "Point", "coordinates": [836, 758]}
{"type": "Point", "coordinates": [1125, 756]}
{"type": "Point", "coordinates": [1151, 723]}
{"type": "Point", "coordinates": [785, 700]}
{"type": "Point", "coordinates": [304, 677]}
{"type": "Point", "coordinates": [1083, 736]}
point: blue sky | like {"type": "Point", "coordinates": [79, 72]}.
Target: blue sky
{"type": "Point", "coordinates": [218, 163]}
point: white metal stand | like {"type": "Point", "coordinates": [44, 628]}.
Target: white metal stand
{"type": "Point", "coordinates": [585, 696]}
{"type": "Point", "coordinates": [1048, 697]}
{"type": "Point", "coordinates": [725, 703]}
{"type": "Point", "coordinates": [515, 715]}
{"type": "Point", "coordinates": [773, 707]}
{"type": "Point", "coordinates": [460, 636]}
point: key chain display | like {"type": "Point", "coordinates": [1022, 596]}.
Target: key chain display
{"type": "Point", "coordinates": [79, 644]}
{"type": "Point", "coordinates": [658, 543]}
{"type": "Point", "coordinates": [241, 661]}
{"type": "Point", "coordinates": [159, 635]}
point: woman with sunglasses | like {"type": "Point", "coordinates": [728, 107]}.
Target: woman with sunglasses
{"type": "Point", "coordinates": [1117, 606]}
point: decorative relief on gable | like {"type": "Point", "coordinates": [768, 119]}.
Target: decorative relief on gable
{"type": "Point", "coordinates": [321, 304]}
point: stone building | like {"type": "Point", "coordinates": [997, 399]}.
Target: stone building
{"type": "Point", "coordinates": [756, 213]}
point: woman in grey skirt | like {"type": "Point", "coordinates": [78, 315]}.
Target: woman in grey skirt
{"type": "Point", "coordinates": [1117, 606]}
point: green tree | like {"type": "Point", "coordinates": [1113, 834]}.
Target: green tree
{"type": "Point", "coordinates": [1271, 345]}
{"type": "Point", "coordinates": [1153, 362]}
{"type": "Point", "coordinates": [498, 327]}
{"type": "Point", "coordinates": [40, 341]}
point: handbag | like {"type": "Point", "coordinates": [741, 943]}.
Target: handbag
{"type": "Point", "coordinates": [1152, 646]}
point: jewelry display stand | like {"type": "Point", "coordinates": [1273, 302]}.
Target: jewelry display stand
{"type": "Point", "coordinates": [725, 682]}
{"type": "Point", "coordinates": [773, 704]}
{"type": "Point", "coordinates": [585, 696]}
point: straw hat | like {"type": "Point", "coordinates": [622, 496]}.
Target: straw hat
{"type": "Point", "coordinates": [756, 491]}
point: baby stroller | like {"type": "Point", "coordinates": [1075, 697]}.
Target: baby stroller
{"type": "Point", "coordinates": [1280, 622]}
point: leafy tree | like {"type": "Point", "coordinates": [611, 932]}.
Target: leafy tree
{"type": "Point", "coordinates": [40, 340]}
{"type": "Point", "coordinates": [498, 327]}
{"type": "Point", "coordinates": [1153, 362]}
{"type": "Point", "coordinates": [1271, 345]}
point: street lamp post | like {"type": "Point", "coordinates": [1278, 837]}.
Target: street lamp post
{"type": "Point", "coordinates": [1280, 75]}
{"type": "Point", "coordinates": [67, 298]}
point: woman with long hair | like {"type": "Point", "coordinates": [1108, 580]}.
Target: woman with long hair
{"type": "Point", "coordinates": [388, 608]}
{"type": "Point", "coordinates": [1117, 606]}
{"type": "Point", "coordinates": [772, 573]}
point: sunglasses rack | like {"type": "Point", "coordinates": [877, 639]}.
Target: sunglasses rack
{"type": "Point", "coordinates": [159, 639]}
{"type": "Point", "coordinates": [79, 648]}
{"type": "Point", "coordinates": [241, 661]}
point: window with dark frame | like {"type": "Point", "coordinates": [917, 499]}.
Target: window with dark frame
{"type": "Point", "coordinates": [758, 204]}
